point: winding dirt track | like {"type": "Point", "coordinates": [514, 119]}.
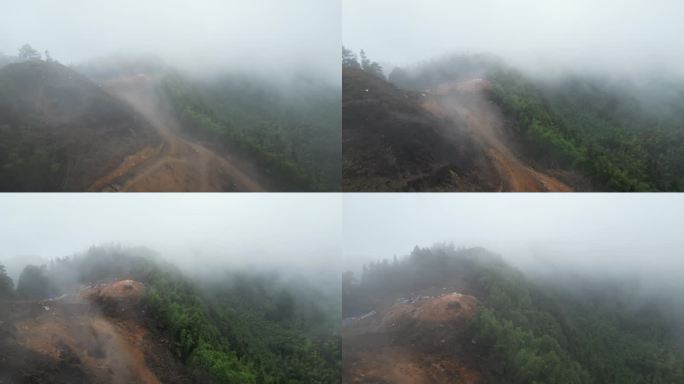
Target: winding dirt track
{"type": "Point", "coordinates": [178, 164]}
{"type": "Point", "coordinates": [467, 102]}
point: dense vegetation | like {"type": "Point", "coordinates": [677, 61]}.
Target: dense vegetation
{"type": "Point", "coordinates": [239, 328]}
{"type": "Point", "coordinates": [6, 283]}
{"type": "Point", "coordinates": [622, 134]}
{"type": "Point", "coordinates": [291, 129]}
{"type": "Point", "coordinates": [530, 331]}
{"type": "Point", "coordinates": [625, 137]}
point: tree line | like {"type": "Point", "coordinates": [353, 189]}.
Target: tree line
{"type": "Point", "coordinates": [362, 62]}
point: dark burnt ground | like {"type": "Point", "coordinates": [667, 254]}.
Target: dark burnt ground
{"type": "Point", "coordinates": [390, 143]}
{"type": "Point", "coordinates": [60, 131]}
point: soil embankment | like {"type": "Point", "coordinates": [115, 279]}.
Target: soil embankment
{"type": "Point", "coordinates": [467, 102]}
{"type": "Point", "coordinates": [417, 339]}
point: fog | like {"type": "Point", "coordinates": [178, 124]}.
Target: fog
{"type": "Point", "coordinates": [275, 36]}
{"type": "Point", "coordinates": [294, 233]}
{"type": "Point", "coordinates": [618, 235]}
{"type": "Point", "coordinates": [554, 35]}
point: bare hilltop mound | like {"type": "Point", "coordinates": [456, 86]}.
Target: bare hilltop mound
{"type": "Point", "coordinates": [60, 131]}
{"type": "Point", "coordinates": [415, 339]}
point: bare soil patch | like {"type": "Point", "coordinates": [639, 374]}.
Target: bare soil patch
{"type": "Point", "coordinates": [415, 340]}
{"type": "Point", "coordinates": [179, 165]}
{"type": "Point", "coordinates": [467, 102]}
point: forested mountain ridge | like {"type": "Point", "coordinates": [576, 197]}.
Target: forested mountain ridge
{"type": "Point", "coordinates": [158, 128]}
{"type": "Point", "coordinates": [526, 329]}
{"type": "Point", "coordinates": [241, 328]}
{"type": "Point", "coordinates": [620, 133]}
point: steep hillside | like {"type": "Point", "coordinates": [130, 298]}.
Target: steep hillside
{"type": "Point", "coordinates": [623, 135]}
{"type": "Point", "coordinates": [588, 132]}
{"type": "Point", "coordinates": [465, 316]}
{"type": "Point", "coordinates": [180, 164]}
{"type": "Point", "coordinates": [391, 143]}
{"type": "Point", "coordinates": [59, 131]}
{"type": "Point", "coordinates": [117, 315]}
{"type": "Point", "coordinates": [137, 125]}
{"type": "Point", "coordinates": [468, 101]}
{"type": "Point", "coordinates": [290, 130]}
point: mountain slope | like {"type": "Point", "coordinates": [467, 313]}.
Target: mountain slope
{"type": "Point", "coordinates": [390, 143]}
{"type": "Point", "coordinates": [180, 164]}
{"type": "Point", "coordinates": [289, 129]}
{"type": "Point", "coordinates": [120, 315]}
{"type": "Point", "coordinates": [507, 327]}
{"type": "Point", "coordinates": [59, 131]}
{"type": "Point", "coordinates": [599, 132]}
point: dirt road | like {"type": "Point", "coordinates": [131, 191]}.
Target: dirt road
{"type": "Point", "coordinates": [178, 164]}
{"type": "Point", "coordinates": [467, 102]}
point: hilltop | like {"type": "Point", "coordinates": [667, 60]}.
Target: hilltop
{"type": "Point", "coordinates": [127, 124]}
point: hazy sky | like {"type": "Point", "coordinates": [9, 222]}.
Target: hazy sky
{"type": "Point", "coordinates": [273, 230]}
{"type": "Point", "coordinates": [627, 232]}
{"type": "Point", "coordinates": [198, 34]}
{"type": "Point", "coordinates": [605, 34]}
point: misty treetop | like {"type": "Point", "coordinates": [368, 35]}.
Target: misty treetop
{"type": "Point", "coordinates": [6, 283]}
{"type": "Point", "coordinates": [351, 60]}
{"type": "Point", "coordinates": [27, 53]}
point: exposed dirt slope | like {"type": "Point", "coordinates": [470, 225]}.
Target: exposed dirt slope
{"type": "Point", "coordinates": [467, 102]}
{"type": "Point", "coordinates": [417, 340]}
{"type": "Point", "coordinates": [60, 131]}
{"type": "Point", "coordinates": [391, 143]}
{"type": "Point", "coordinates": [178, 164]}
{"type": "Point", "coordinates": [96, 336]}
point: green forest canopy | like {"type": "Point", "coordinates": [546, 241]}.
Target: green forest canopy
{"type": "Point", "coordinates": [293, 131]}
